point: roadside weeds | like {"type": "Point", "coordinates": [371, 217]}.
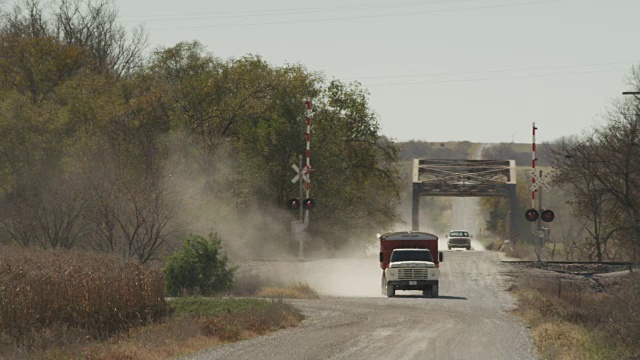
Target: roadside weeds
{"type": "Point", "coordinates": [570, 318]}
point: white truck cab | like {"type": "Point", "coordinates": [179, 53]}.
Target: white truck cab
{"type": "Point", "coordinates": [459, 239]}
{"type": "Point", "coordinates": [411, 269]}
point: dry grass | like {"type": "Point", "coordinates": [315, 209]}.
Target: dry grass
{"type": "Point", "coordinates": [182, 335]}
{"type": "Point", "coordinates": [248, 280]}
{"type": "Point", "coordinates": [71, 305]}
{"type": "Point", "coordinates": [577, 318]}
{"type": "Point", "coordinates": [159, 341]}
{"type": "Point", "coordinates": [196, 324]}
{"type": "Point", "coordinates": [56, 296]}
{"type": "Point", "coordinates": [562, 341]}
{"type": "Point", "coordinates": [292, 291]}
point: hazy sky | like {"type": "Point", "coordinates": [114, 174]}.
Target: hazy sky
{"type": "Point", "coordinates": [437, 70]}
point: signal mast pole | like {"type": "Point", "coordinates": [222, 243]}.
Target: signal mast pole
{"type": "Point", "coordinates": [533, 167]}
{"type": "Point", "coordinates": [533, 196]}
{"type": "Point", "coordinates": [301, 176]}
{"type": "Point", "coordinates": [308, 166]}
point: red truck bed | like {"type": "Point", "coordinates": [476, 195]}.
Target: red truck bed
{"type": "Point", "coordinates": [404, 240]}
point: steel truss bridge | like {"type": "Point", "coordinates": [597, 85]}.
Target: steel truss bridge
{"type": "Point", "coordinates": [463, 178]}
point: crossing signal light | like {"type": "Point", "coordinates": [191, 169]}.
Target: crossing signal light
{"type": "Point", "coordinates": [531, 215]}
{"type": "Point", "coordinates": [293, 204]}
{"type": "Point", "coordinates": [547, 216]}
{"type": "Point", "coordinates": [308, 204]}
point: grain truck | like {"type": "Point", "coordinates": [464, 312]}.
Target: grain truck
{"type": "Point", "coordinates": [410, 261]}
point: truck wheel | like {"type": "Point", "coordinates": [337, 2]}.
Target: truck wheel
{"type": "Point", "coordinates": [426, 292]}
{"type": "Point", "coordinates": [391, 292]}
{"type": "Point", "coordinates": [449, 247]}
{"type": "Point", "coordinates": [468, 247]}
{"type": "Point", "coordinates": [434, 291]}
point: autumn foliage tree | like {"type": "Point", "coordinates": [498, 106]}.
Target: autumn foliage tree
{"type": "Point", "coordinates": [98, 141]}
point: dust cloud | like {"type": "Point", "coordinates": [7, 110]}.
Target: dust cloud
{"type": "Point", "coordinates": [466, 213]}
{"type": "Point", "coordinates": [207, 194]}
{"type": "Point", "coordinates": [466, 216]}
{"type": "Point", "coordinates": [253, 236]}
{"type": "Point", "coordinates": [357, 277]}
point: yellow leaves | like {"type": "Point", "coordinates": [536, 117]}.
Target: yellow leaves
{"type": "Point", "coordinates": [37, 65]}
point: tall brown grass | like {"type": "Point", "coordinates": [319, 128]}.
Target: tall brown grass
{"type": "Point", "coordinates": [81, 293]}
{"type": "Point", "coordinates": [575, 320]}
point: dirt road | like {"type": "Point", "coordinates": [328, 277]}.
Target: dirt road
{"type": "Point", "coordinates": [470, 319]}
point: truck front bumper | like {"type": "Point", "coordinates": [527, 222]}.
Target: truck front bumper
{"type": "Point", "coordinates": [459, 245]}
{"type": "Point", "coordinates": [411, 284]}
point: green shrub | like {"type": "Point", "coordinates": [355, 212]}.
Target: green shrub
{"type": "Point", "coordinates": [199, 268]}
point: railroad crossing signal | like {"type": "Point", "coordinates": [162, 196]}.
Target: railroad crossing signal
{"type": "Point", "coordinates": [308, 204]}
{"type": "Point", "coordinates": [531, 215]}
{"type": "Point", "coordinates": [293, 204]}
{"type": "Point", "coordinates": [547, 216]}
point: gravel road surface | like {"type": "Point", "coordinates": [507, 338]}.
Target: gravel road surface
{"type": "Point", "coordinates": [470, 320]}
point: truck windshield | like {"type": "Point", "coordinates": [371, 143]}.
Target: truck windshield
{"type": "Point", "coordinates": [459, 233]}
{"type": "Point", "coordinates": [408, 255]}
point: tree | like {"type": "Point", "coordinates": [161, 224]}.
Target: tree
{"type": "Point", "coordinates": [86, 24]}
{"type": "Point", "coordinates": [49, 215]}
{"type": "Point", "coordinates": [603, 170]}
{"type": "Point", "coordinates": [618, 158]}
{"type": "Point", "coordinates": [94, 25]}
{"type": "Point", "coordinates": [142, 215]}
{"type": "Point", "coordinates": [127, 214]}
{"type": "Point", "coordinates": [76, 105]}
{"type": "Point", "coordinates": [36, 66]}
{"type": "Point", "coordinates": [576, 165]}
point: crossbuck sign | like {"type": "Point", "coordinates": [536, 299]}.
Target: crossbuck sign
{"type": "Point", "coordinates": [297, 177]}
{"type": "Point", "coordinates": [540, 180]}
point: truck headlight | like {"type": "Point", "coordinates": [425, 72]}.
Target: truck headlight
{"type": "Point", "coordinates": [393, 272]}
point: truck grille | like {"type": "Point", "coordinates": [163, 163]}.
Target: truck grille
{"type": "Point", "coordinates": [413, 274]}
{"type": "Point", "coordinates": [459, 241]}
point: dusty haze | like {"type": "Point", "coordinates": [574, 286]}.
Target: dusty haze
{"type": "Point", "coordinates": [253, 237]}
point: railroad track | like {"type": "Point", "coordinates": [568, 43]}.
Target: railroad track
{"type": "Point", "coordinates": [610, 263]}
{"type": "Point", "coordinates": [584, 268]}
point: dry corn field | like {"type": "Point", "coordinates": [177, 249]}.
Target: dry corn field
{"type": "Point", "coordinates": [98, 295]}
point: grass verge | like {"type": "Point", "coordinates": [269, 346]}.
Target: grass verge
{"type": "Point", "coordinates": [194, 324]}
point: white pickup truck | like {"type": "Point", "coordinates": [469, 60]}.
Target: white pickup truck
{"type": "Point", "coordinates": [459, 239]}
